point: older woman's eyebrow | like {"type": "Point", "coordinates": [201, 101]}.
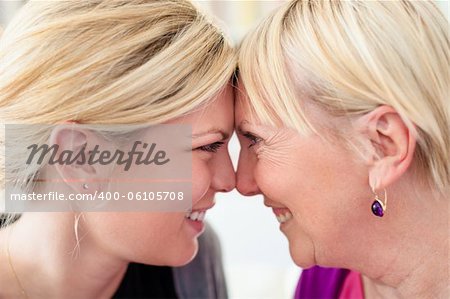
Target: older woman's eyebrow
{"type": "Point", "coordinates": [239, 127]}
{"type": "Point", "coordinates": [220, 132]}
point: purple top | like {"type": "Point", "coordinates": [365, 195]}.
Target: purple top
{"type": "Point", "coordinates": [320, 283]}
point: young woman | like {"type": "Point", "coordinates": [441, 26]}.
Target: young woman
{"type": "Point", "coordinates": [108, 62]}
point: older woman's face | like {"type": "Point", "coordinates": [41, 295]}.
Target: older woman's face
{"type": "Point", "coordinates": [307, 182]}
{"type": "Point", "coordinates": [163, 238]}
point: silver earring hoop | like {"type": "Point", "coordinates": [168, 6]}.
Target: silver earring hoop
{"type": "Point", "coordinates": [85, 186]}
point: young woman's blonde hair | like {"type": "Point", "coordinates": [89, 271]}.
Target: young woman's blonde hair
{"type": "Point", "coordinates": [108, 62]}
{"type": "Point", "coordinates": [350, 57]}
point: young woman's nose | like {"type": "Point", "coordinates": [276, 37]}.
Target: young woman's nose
{"type": "Point", "coordinates": [224, 179]}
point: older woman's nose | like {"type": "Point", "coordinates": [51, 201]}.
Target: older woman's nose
{"type": "Point", "coordinates": [245, 181]}
{"type": "Point", "coordinates": [224, 179]}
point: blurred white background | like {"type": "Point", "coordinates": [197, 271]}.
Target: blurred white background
{"type": "Point", "coordinates": [256, 255]}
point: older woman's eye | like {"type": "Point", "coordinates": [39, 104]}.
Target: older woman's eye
{"type": "Point", "coordinates": [254, 140]}
{"type": "Point", "coordinates": [212, 148]}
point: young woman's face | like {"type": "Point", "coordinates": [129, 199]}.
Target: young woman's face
{"type": "Point", "coordinates": [313, 186]}
{"type": "Point", "coordinates": [170, 238]}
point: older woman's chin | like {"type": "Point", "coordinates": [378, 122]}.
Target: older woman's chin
{"type": "Point", "coordinates": [301, 255]}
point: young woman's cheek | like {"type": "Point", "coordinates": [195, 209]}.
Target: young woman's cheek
{"type": "Point", "coordinates": [201, 178]}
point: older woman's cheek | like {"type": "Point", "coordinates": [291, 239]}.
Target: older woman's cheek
{"type": "Point", "coordinates": [274, 177]}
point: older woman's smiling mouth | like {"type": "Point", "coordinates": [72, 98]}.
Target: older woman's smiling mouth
{"type": "Point", "coordinates": [283, 214]}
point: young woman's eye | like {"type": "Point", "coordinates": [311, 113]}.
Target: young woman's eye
{"type": "Point", "coordinates": [252, 138]}
{"type": "Point", "coordinates": [212, 148]}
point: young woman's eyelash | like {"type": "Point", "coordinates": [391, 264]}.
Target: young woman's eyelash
{"type": "Point", "coordinates": [212, 148]}
{"type": "Point", "coordinates": [253, 139]}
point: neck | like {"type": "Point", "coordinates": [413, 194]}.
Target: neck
{"type": "Point", "coordinates": [48, 263]}
{"type": "Point", "coordinates": [426, 281]}
{"type": "Point", "coordinates": [416, 252]}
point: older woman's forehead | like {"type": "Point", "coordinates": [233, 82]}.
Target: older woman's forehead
{"type": "Point", "coordinates": [241, 109]}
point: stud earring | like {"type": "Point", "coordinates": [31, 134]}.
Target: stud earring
{"type": "Point", "coordinates": [378, 207]}
{"type": "Point", "coordinates": [85, 186]}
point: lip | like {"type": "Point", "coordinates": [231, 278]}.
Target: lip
{"type": "Point", "coordinates": [202, 209]}
{"type": "Point", "coordinates": [280, 211]}
{"type": "Point", "coordinates": [198, 226]}
{"type": "Point", "coordinates": [277, 209]}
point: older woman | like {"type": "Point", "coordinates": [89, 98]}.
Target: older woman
{"type": "Point", "coordinates": [126, 65]}
{"type": "Point", "coordinates": [343, 116]}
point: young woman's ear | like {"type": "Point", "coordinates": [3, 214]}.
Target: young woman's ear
{"type": "Point", "coordinates": [78, 174]}
{"type": "Point", "coordinates": [391, 144]}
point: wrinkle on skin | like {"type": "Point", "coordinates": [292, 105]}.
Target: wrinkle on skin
{"type": "Point", "coordinates": [274, 149]}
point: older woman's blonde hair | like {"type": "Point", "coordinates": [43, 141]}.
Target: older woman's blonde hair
{"type": "Point", "coordinates": [350, 57]}
{"type": "Point", "coordinates": [108, 62]}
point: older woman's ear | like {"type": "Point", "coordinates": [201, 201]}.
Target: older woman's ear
{"type": "Point", "coordinates": [391, 145]}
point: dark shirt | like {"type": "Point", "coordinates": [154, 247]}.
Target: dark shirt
{"type": "Point", "coordinates": [143, 281]}
{"type": "Point", "coordinates": [203, 278]}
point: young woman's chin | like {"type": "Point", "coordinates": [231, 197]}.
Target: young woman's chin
{"type": "Point", "coordinates": [185, 256]}
{"type": "Point", "coordinates": [177, 255]}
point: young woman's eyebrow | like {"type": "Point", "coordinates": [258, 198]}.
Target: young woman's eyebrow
{"type": "Point", "coordinates": [224, 135]}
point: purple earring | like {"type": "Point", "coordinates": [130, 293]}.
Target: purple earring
{"type": "Point", "coordinates": [378, 207]}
